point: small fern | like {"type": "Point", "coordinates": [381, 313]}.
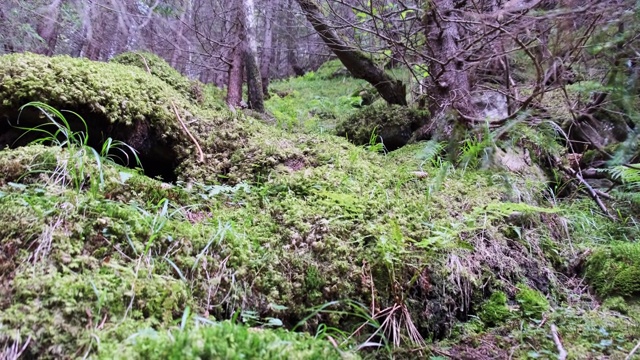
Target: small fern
{"type": "Point", "coordinates": [629, 176]}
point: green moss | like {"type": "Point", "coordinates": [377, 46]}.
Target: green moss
{"type": "Point", "coordinates": [495, 310]}
{"type": "Point", "coordinates": [272, 224]}
{"type": "Point", "coordinates": [117, 92]}
{"type": "Point", "coordinates": [614, 269]}
{"type": "Point", "coordinates": [332, 69]}
{"type": "Point", "coordinates": [616, 303]}
{"type": "Point", "coordinates": [394, 124]}
{"type": "Point", "coordinates": [205, 95]}
{"type": "Point", "coordinates": [532, 303]}
{"type": "Point", "coordinates": [220, 341]}
{"type": "Point", "coordinates": [158, 67]}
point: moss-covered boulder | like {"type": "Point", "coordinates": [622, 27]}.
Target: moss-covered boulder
{"type": "Point", "coordinates": [392, 125]}
{"type": "Point", "coordinates": [158, 67]}
{"type": "Point", "coordinates": [117, 101]}
{"type": "Point", "coordinates": [203, 95]}
{"type": "Point", "coordinates": [615, 269]}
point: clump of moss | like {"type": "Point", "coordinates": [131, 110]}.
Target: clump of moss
{"type": "Point", "coordinates": [614, 269]}
{"type": "Point", "coordinates": [332, 69]}
{"type": "Point", "coordinates": [393, 124]}
{"type": "Point", "coordinates": [532, 302]}
{"type": "Point", "coordinates": [158, 67]}
{"type": "Point", "coordinates": [223, 340]}
{"type": "Point", "coordinates": [616, 303]}
{"type": "Point", "coordinates": [204, 95]}
{"type": "Point", "coordinates": [495, 310]}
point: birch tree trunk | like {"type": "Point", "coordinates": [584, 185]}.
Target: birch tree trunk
{"type": "Point", "coordinates": [254, 79]}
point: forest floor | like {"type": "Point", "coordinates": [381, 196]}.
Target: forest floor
{"type": "Point", "coordinates": [236, 237]}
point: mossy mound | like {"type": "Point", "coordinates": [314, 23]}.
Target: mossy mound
{"type": "Point", "coordinates": [332, 69]}
{"type": "Point", "coordinates": [158, 67]}
{"type": "Point", "coordinates": [203, 95]}
{"type": "Point", "coordinates": [392, 125]}
{"type": "Point", "coordinates": [142, 251]}
{"type": "Point", "coordinates": [115, 100]}
{"type": "Point", "coordinates": [222, 340]}
{"type": "Point", "coordinates": [615, 269]}
{"type": "Point", "coordinates": [275, 229]}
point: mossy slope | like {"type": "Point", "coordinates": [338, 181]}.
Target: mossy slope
{"type": "Point", "coordinates": [267, 228]}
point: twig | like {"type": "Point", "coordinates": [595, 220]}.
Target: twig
{"type": "Point", "coordinates": [562, 353]}
{"type": "Point", "coordinates": [594, 194]}
{"type": "Point", "coordinates": [145, 63]}
{"type": "Point", "coordinates": [175, 110]}
{"type": "Point", "coordinates": [633, 351]}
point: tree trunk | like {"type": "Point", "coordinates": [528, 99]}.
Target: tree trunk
{"type": "Point", "coordinates": [48, 28]}
{"type": "Point", "coordinates": [357, 62]}
{"type": "Point", "coordinates": [291, 45]}
{"type": "Point", "coordinates": [450, 87]}
{"type": "Point", "coordinates": [267, 49]}
{"type": "Point", "coordinates": [234, 81]}
{"type": "Point", "coordinates": [254, 80]}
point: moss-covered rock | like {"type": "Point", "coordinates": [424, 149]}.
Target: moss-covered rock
{"type": "Point", "coordinates": [332, 69]}
{"type": "Point", "coordinates": [392, 125]}
{"type": "Point", "coordinates": [158, 67]}
{"type": "Point", "coordinates": [615, 269]}
{"type": "Point", "coordinates": [113, 100]}
{"type": "Point", "coordinates": [203, 95]}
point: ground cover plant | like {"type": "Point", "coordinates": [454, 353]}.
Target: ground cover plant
{"type": "Point", "coordinates": [259, 242]}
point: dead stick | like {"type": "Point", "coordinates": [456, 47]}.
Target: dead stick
{"type": "Point", "coordinates": [556, 339]}
{"type": "Point", "coordinates": [590, 190]}
{"type": "Point", "coordinates": [633, 351]}
{"type": "Point", "coordinates": [175, 110]}
{"type": "Point", "coordinates": [145, 63]}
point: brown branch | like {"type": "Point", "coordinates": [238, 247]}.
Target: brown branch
{"type": "Point", "coordinates": [175, 110]}
{"type": "Point", "coordinates": [592, 192]}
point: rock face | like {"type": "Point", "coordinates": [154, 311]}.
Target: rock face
{"type": "Point", "coordinates": [392, 125]}
{"type": "Point", "coordinates": [492, 104]}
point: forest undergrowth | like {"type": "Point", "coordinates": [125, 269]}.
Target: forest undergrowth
{"type": "Point", "coordinates": [277, 237]}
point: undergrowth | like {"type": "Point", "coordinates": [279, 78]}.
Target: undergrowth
{"type": "Point", "coordinates": [299, 244]}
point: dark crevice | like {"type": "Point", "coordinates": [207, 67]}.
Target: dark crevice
{"type": "Point", "coordinates": [158, 159]}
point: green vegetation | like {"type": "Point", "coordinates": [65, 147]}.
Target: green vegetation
{"type": "Point", "coordinates": [361, 253]}
{"type": "Point", "coordinates": [314, 102]}
{"type": "Point", "coordinates": [533, 304]}
{"type": "Point", "coordinates": [223, 340]}
{"type": "Point", "coordinates": [614, 269]}
{"type": "Point", "coordinates": [392, 125]}
{"type": "Point", "coordinates": [495, 310]}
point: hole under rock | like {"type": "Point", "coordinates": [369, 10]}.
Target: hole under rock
{"type": "Point", "coordinates": [157, 157]}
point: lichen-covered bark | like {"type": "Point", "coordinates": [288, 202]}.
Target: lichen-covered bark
{"type": "Point", "coordinates": [392, 90]}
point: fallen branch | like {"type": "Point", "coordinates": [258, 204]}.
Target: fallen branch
{"type": "Point", "coordinates": [562, 353]}
{"type": "Point", "coordinates": [595, 194]}
{"type": "Point", "coordinates": [175, 110]}
{"type": "Point", "coordinates": [633, 351]}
